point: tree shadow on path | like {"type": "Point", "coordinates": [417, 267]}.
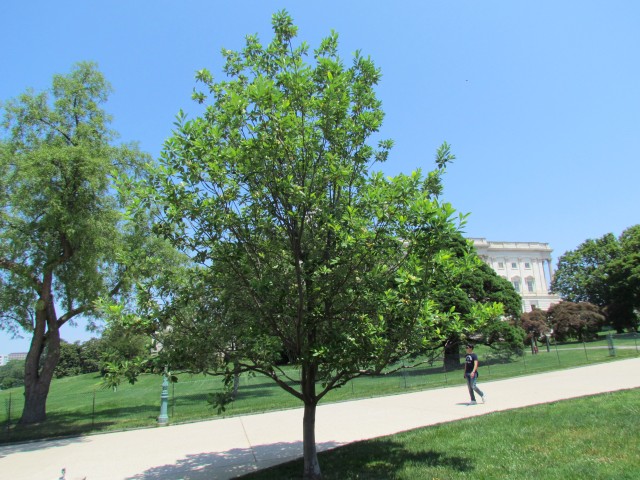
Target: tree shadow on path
{"type": "Point", "coordinates": [229, 464]}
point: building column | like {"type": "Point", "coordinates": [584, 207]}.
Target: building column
{"type": "Point", "coordinates": [540, 277]}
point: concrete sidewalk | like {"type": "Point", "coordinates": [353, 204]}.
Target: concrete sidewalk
{"type": "Point", "coordinates": [223, 449]}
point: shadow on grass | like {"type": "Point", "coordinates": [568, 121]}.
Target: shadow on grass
{"type": "Point", "coordinates": [72, 423]}
{"type": "Point", "coordinates": [372, 460]}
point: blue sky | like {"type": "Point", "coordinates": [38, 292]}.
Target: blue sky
{"type": "Point", "coordinates": [540, 101]}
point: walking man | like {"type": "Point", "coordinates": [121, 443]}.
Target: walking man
{"type": "Point", "coordinates": [471, 374]}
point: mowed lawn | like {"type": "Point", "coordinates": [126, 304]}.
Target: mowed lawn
{"type": "Point", "coordinates": [594, 437]}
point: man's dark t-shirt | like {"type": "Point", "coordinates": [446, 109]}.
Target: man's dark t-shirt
{"type": "Point", "coordinates": [470, 359]}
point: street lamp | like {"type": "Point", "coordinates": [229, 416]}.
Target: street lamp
{"type": "Point", "coordinates": [163, 419]}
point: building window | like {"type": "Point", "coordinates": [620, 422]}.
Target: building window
{"type": "Point", "coordinates": [500, 264]}
{"type": "Point", "coordinates": [515, 281]}
{"type": "Point", "coordinates": [527, 265]}
{"type": "Point", "coordinates": [514, 265]}
{"type": "Point", "coordinates": [531, 285]}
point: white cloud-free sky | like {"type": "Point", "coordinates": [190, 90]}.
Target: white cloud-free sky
{"type": "Point", "coordinates": [540, 101]}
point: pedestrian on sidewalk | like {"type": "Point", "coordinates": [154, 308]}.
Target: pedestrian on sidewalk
{"type": "Point", "coordinates": [471, 374]}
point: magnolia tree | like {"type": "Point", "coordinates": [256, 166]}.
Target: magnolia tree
{"type": "Point", "coordinates": [305, 251]}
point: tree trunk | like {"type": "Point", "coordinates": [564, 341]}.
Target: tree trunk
{"type": "Point", "coordinates": [308, 384]}
{"type": "Point", "coordinates": [41, 362]}
{"type": "Point", "coordinates": [311, 465]}
{"type": "Point", "coordinates": [452, 355]}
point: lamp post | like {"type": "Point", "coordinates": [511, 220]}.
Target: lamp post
{"type": "Point", "coordinates": [163, 419]}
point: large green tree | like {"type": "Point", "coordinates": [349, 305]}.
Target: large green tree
{"type": "Point", "coordinates": [605, 272]}
{"type": "Point", "coordinates": [63, 239]}
{"type": "Point", "coordinates": [479, 284]}
{"type": "Point", "coordinates": [305, 249]}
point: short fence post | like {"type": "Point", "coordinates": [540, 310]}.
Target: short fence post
{"type": "Point", "coordinates": [444, 364]}
{"type": "Point", "coordinates": [9, 412]}
{"type": "Point", "coordinates": [93, 411]}
{"type": "Point", "coordinates": [404, 375]}
{"type": "Point", "coordinates": [586, 355]}
{"type": "Point", "coordinates": [612, 348]}
{"type": "Point", "coordinates": [557, 352]}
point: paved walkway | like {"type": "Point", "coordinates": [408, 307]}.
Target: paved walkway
{"type": "Point", "coordinates": [223, 449]}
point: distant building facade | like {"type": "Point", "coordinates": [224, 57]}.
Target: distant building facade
{"type": "Point", "coordinates": [4, 359]}
{"type": "Point", "coordinates": [527, 265]}
{"type": "Point", "coordinates": [17, 356]}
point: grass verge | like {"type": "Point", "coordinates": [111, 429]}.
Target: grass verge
{"type": "Point", "coordinates": [589, 438]}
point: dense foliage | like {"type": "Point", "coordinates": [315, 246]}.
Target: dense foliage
{"type": "Point", "coordinates": [64, 241]}
{"type": "Point", "coordinates": [569, 320]}
{"type": "Point", "coordinates": [478, 285]}
{"type": "Point", "coordinates": [605, 272]}
{"type": "Point", "coordinates": [564, 321]}
{"type": "Point", "coordinates": [12, 374]}
{"type": "Point", "coordinates": [305, 250]}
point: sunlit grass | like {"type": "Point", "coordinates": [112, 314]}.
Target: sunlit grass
{"type": "Point", "coordinates": [589, 438]}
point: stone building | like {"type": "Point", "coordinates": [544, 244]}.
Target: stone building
{"type": "Point", "coordinates": [527, 265]}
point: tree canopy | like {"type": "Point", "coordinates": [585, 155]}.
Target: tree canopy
{"type": "Point", "coordinates": [580, 320]}
{"type": "Point", "coordinates": [479, 284]}
{"type": "Point", "coordinates": [304, 248]}
{"type": "Point", "coordinates": [605, 272]}
{"type": "Point", "coordinates": [63, 237]}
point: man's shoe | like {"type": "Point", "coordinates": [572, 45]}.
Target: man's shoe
{"type": "Point", "coordinates": [484, 398]}
{"type": "Point", "coordinates": [473, 402]}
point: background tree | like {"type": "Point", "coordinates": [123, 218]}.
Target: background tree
{"type": "Point", "coordinates": [623, 308]}
{"type": "Point", "coordinates": [604, 272]}
{"type": "Point", "coordinates": [306, 250]}
{"type": "Point", "coordinates": [62, 233]}
{"type": "Point", "coordinates": [581, 321]}
{"type": "Point", "coordinates": [478, 284]}
{"type": "Point", "coordinates": [70, 362]}
{"type": "Point", "coordinates": [581, 274]}
{"type": "Point", "coordinates": [12, 374]}
{"type": "Point", "coordinates": [535, 324]}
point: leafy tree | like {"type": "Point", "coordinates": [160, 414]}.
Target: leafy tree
{"type": "Point", "coordinates": [63, 238]}
{"type": "Point", "coordinates": [624, 277]}
{"type": "Point", "coordinates": [581, 320]}
{"type": "Point", "coordinates": [12, 374]}
{"type": "Point", "coordinates": [304, 248]}
{"type": "Point", "coordinates": [605, 272]}
{"type": "Point", "coordinates": [119, 343]}
{"type": "Point", "coordinates": [91, 353]}
{"type": "Point", "coordinates": [479, 284]}
{"type": "Point", "coordinates": [535, 324]}
{"type": "Point", "coordinates": [71, 361]}
{"type": "Point", "coordinates": [581, 274]}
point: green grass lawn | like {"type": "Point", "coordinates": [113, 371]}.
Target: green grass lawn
{"type": "Point", "coordinates": [594, 437]}
{"type": "Point", "coordinates": [79, 405]}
